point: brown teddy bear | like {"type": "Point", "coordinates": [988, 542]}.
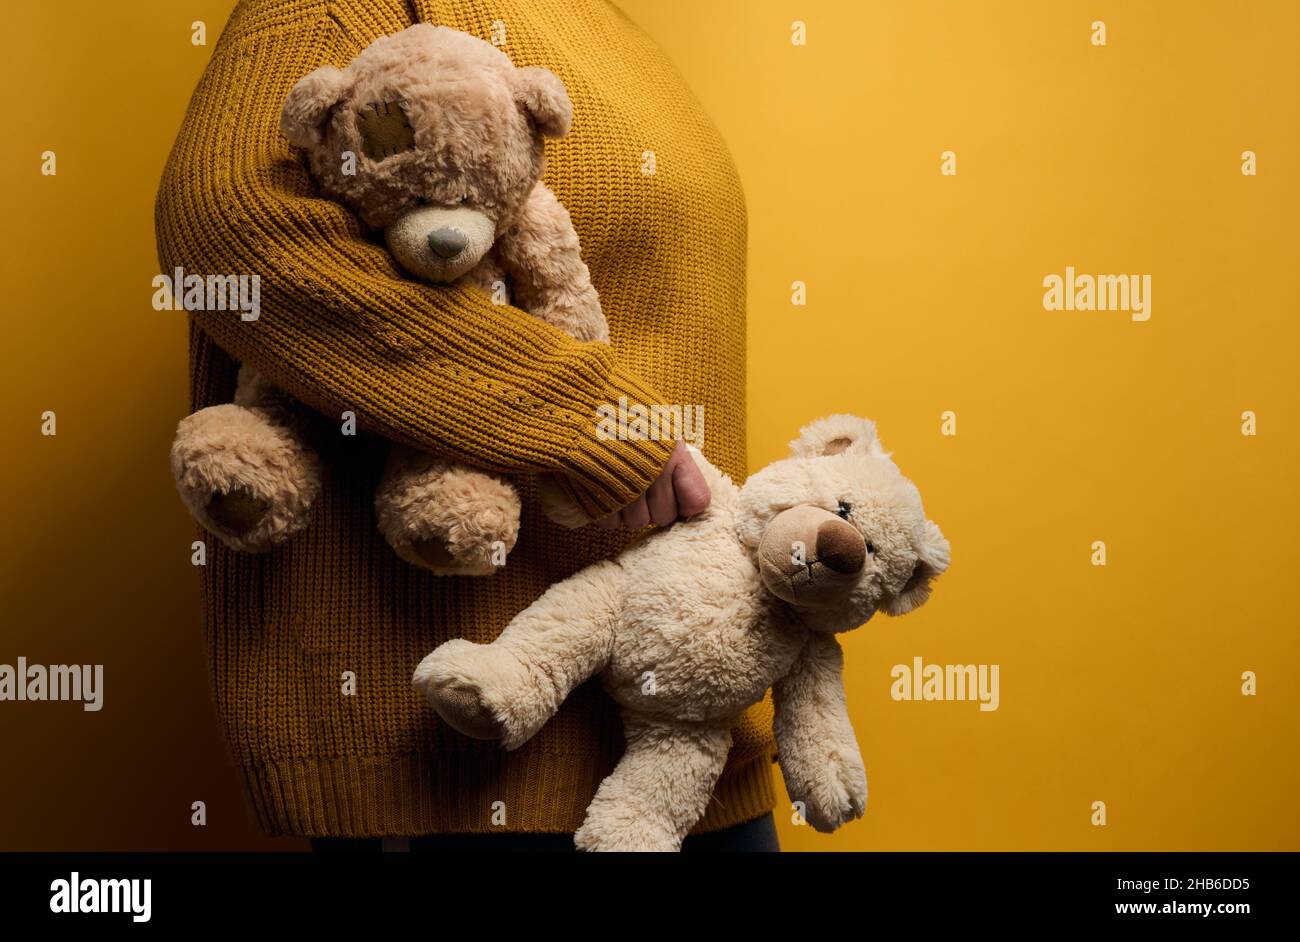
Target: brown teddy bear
{"type": "Point", "coordinates": [434, 138]}
{"type": "Point", "coordinates": [689, 627]}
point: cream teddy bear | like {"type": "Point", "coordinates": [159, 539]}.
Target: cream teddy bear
{"type": "Point", "coordinates": [435, 139]}
{"type": "Point", "coordinates": [693, 624]}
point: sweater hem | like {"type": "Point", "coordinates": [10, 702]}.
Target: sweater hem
{"type": "Point", "coordinates": [416, 794]}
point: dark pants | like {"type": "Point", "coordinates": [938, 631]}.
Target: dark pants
{"type": "Point", "coordinates": [757, 836]}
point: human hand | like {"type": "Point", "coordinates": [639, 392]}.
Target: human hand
{"type": "Point", "coordinates": [679, 491]}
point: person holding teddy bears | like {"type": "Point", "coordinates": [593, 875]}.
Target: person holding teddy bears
{"type": "Point", "coordinates": [494, 359]}
{"type": "Point", "coordinates": [467, 296]}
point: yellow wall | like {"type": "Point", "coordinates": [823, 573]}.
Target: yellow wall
{"type": "Point", "coordinates": [1119, 684]}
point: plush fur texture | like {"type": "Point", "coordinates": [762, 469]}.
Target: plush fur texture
{"type": "Point", "coordinates": [251, 450]}
{"type": "Point", "coordinates": [424, 503]}
{"type": "Point", "coordinates": [447, 139]}
{"type": "Point", "coordinates": [692, 625]}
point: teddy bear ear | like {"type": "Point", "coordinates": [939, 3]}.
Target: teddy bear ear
{"type": "Point", "coordinates": [835, 434]}
{"type": "Point", "coordinates": [302, 119]}
{"type": "Point", "coordinates": [541, 93]}
{"type": "Point", "coordinates": [932, 557]}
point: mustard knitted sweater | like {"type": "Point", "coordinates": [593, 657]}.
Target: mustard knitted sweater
{"type": "Point", "coordinates": [312, 647]}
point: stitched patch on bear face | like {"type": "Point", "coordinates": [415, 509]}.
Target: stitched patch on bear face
{"type": "Point", "coordinates": [384, 129]}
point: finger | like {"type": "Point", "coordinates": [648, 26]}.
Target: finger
{"type": "Point", "coordinates": [636, 514]}
{"type": "Point", "coordinates": [690, 487]}
{"type": "Point", "coordinates": [661, 501]}
{"type": "Point", "coordinates": [608, 523]}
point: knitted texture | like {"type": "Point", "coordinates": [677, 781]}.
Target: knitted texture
{"type": "Point", "coordinates": [658, 206]}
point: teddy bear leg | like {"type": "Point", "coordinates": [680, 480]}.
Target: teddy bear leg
{"type": "Point", "coordinates": [244, 470]}
{"type": "Point", "coordinates": [658, 790]}
{"type": "Point", "coordinates": [474, 687]}
{"type": "Point", "coordinates": [444, 517]}
{"type": "Point", "coordinates": [508, 689]}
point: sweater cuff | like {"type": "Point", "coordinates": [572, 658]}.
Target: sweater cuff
{"type": "Point", "coordinates": [609, 466]}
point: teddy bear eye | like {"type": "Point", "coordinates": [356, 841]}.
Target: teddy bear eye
{"type": "Point", "coordinates": [845, 508]}
{"type": "Point", "coordinates": [465, 198]}
{"type": "Point", "coordinates": [871, 548]}
{"type": "Point", "coordinates": [385, 129]}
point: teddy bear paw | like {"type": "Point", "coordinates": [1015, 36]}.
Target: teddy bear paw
{"type": "Point", "coordinates": [238, 511]}
{"type": "Point", "coordinates": [625, 834]}
{"type": "Point", "coordinates": [248, 480]}
{"type": "Point", "coordinates": [449, 520]}
{"type": "Point", "coordinates": [471, 686]}
{"type": "Point", "coordinates": [837, 797]}
{"type": "Point", "coordinates": [464, 711]}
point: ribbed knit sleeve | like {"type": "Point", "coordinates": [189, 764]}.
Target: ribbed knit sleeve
{"type": "Point", "coordinates": [438, 367]}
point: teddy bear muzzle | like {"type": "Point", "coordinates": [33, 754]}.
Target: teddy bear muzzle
{"type": "Point", "coordinates": [810, 556]}
{"type": "Point", "coordinates": [440, 243]}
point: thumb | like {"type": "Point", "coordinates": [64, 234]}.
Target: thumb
{"type": "Point", "coordinates": [689, 485]}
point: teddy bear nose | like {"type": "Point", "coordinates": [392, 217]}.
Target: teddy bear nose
{"type": "Point", "coordinates": [840, 548]}
{"type": "Point", "coordinates": [447, 242]}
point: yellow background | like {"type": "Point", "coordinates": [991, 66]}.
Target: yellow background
{"type": "Point", "coordinates": [1119, 684]}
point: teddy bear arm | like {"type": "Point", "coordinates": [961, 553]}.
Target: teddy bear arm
{"type": "Point", "coordinates": [541, 254]}
{"type": "Point", "coordinates": [660, 788]}
{"type": "Point", "coordinates": [816, 746]}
